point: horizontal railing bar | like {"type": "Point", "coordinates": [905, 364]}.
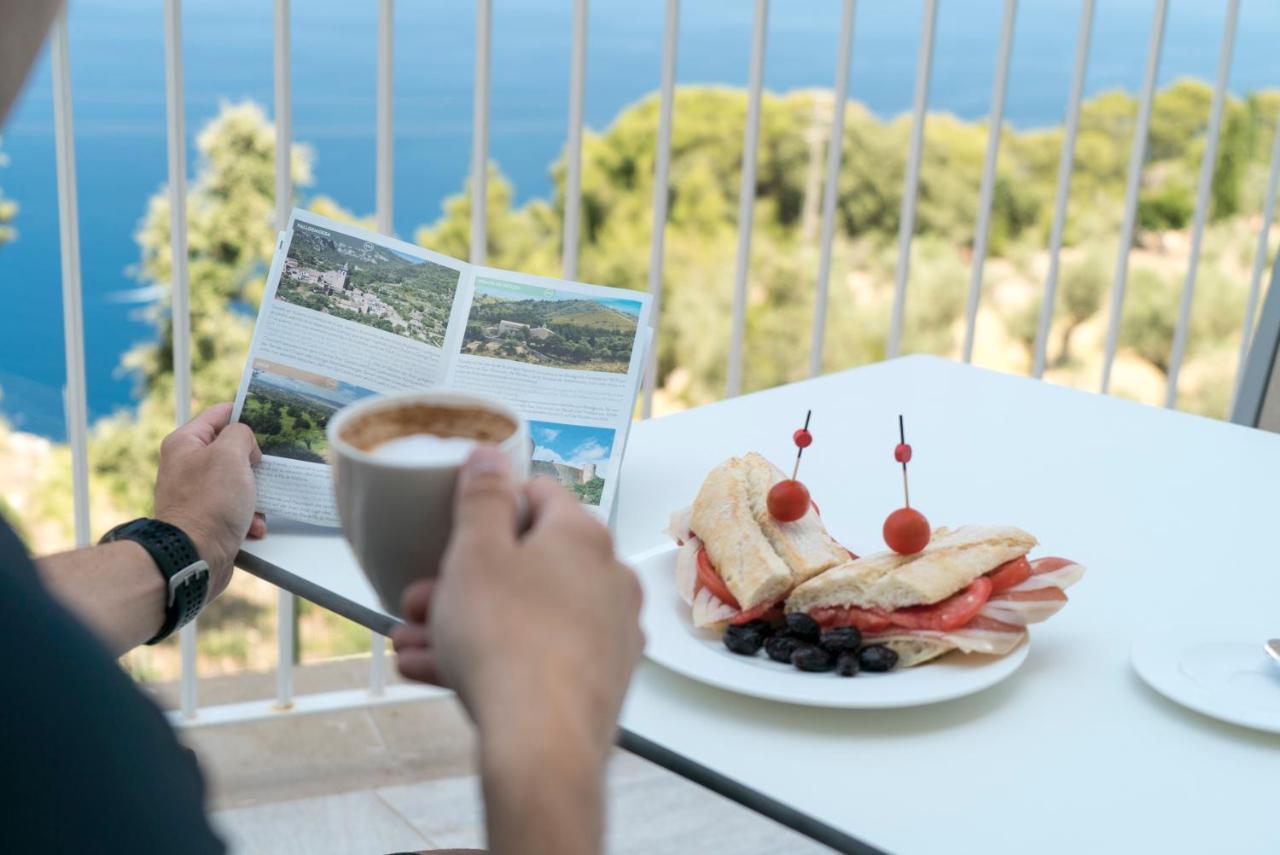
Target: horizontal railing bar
{"type": "Point", "coordinates": [309, 703]}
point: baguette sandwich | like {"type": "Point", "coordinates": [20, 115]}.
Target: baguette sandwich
{"type": "Point", "coordinates": [971, 589]}
{"type": "Point", "coordinates": [736, 562]}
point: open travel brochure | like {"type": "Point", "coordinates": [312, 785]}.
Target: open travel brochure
{"type": "Point", "coordinates": [348, 313]}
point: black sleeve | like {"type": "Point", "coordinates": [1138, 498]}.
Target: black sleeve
{"type": "Point", "coordinates": [87, 762]}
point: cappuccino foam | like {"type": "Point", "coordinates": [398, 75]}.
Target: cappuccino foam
{"type": "Point", "coordinates": [424, 449]}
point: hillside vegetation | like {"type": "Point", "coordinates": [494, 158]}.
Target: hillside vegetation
{"type": "Point", "coordinates": [232, 237]}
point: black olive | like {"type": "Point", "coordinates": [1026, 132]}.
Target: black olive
{"type": "Point", "coordinates": [780, 647]}
{"type": "Point", "coordinates": [810, 658]}
{"type": "Point", "coordinates": [803, 627]}
{"type": "Point", "coordinates": [842, 638]}
{"type": "Point", "coordinates": [761, 626]}
{"type": "Point", "coordinates": [877, 657]}
{"type": "Point", "coordinates": [847, 664]}
{"type": "Point", "coordinates": [744, 640]}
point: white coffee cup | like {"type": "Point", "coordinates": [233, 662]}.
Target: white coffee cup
{"type": "Point", "coordinates": [397, 512]}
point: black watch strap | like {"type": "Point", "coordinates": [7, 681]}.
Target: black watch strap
{"type": "Point", "coordinates": [186, 575]}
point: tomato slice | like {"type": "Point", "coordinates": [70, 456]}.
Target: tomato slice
{"type": "Point", "coordinates": [952, 613]}
{"type": "Point", "coordinates": [867, 620]}
{"type": "Point", "coordinates": [1010, 573]}
{"type": "Point", "coordinates": [771, 612]}
{"type": "Point", "coordinates": [710, 579]}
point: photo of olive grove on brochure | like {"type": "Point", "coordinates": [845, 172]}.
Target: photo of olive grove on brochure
{"type": "Point", "coordinates": [288, 409]}
{"type": "Point", "coordinates": [575, 456]}
{"type": "Point", "coordinates": [544, 326]}
{"type": "Point", "coordinates": [356, 280]}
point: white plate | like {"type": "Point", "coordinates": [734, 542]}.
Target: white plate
{"type": "Point", "coordinates": [1221, 672]}
{"type": "Point", "coordinates": [674, 643]}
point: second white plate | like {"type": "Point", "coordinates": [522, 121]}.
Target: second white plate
{"type": "Point", "coordinates": [674, 643]}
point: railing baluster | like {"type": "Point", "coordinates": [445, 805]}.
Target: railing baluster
{"type": "Point", "coordinates": [1137, 157]}
{"type": "Point", "coordinates": [74, 395]}
{"type": "Point", "coordinates": [747, 197]}
{"type": "Point", "coordinates": [573, 148]}
{"type": "Point", "coordinates": [285, 604]}
{"type": "Point", "coordinates": [835, 153]}
{"type": "Point", "coordinates": [180, 290]}
{"type": "Point", "coordinates": [661, 190]}
{"type": "Point", "coordinates": [386, 142]}
{"type": "Point", "coordinates": [907, 219]}
{"type": "Point", "coordinates": [1259, 263]}
{"type": "Point", "coordinates": [480, 135]}
{"type": "Point", "coordinates": [385, 218]}
{"type": "Point", "coordinates": [987, 191]}
{"type": "Point", "coordinates": [1066, 163]}
{"type": "Point", "coordinates": [1207, 165]}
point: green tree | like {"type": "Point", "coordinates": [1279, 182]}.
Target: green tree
{"type": "Point", "coordinates": [1080, 297]}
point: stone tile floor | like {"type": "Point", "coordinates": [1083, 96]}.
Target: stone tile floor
{"type": "Point", "coordinates": [396, 778]}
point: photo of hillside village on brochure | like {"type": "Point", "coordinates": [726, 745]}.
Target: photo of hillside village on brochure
{"type": "Point", "coordinates": [372, 285]}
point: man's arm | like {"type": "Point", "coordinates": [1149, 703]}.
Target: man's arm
{"type": "Point", "coordinates": [204, 487]}
{"type": "Point", "coordinates": [538, 634]}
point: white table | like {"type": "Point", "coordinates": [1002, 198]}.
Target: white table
{"type": "Point", "coordinates": [1171, 513]}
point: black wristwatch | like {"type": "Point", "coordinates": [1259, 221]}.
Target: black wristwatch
{"type": "Point", "coordinates": [186, 574]}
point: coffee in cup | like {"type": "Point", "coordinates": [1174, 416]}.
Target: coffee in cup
{"type": "Point", "coordinates": [395, 464]}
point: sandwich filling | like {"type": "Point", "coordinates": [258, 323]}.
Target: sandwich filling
{"type": "Point", "coordinates": [736, 562]}
{"type": "Point", "coordinates": [972, 588]}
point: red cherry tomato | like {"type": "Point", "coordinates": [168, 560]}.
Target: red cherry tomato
{"type": "Point", "coordinates": [906, 531]}
{"type": "Point", "coordinates": [952, 613]}
{"type": "Point", "coordinates": [902, 453]}
{"type": "Point", "coordinates": [708, 578]}
{"type": "Point", "coordinates": [788, 501]}
{"type": "Point", "coordinates": [802, 438]}
{"type": "Point", "coordinates": [1010, 573]}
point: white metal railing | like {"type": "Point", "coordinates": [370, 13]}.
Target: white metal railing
{"type": "Point", "coordinates": [1137, 156]}
{"type": "Point", "coordinates": [1207, 164]}
{"type": "Point", "coordinates": [987, 191]}
{"type": "Point", "coordinates": [831, 185]}
{"type": "Point", "coordinates": [907, 219]}
{"type": "Point", "coordinates": [378, 691]}
{"type": "Point", "coordinates": [747, 196]}
{"type": "Point", "coordinates": [1063, 192]}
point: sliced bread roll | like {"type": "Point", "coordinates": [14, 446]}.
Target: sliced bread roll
{"type": "Point", "coordinates": [759, 558]}
{"type": "Point", "coordinates": [889, 581]}
{"type": "Point", "coordinates": [804, 544]}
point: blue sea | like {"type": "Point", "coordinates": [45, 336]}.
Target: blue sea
{"type": "Point", "coordinates": [118, 88]}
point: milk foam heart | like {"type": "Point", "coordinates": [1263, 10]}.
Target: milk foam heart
{"type": "Point", "coordinates": [424, 449]}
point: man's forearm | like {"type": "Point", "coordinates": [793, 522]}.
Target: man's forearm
{"type": "Point", "coordinates": [543, 787]}
{"type": "Point", "coordinates": [114, 588]}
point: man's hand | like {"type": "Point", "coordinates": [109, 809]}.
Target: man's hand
{"type": "Point", "coordinates": [538, 634]}
{"type": "Point", "coordinates": [205, 487]}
